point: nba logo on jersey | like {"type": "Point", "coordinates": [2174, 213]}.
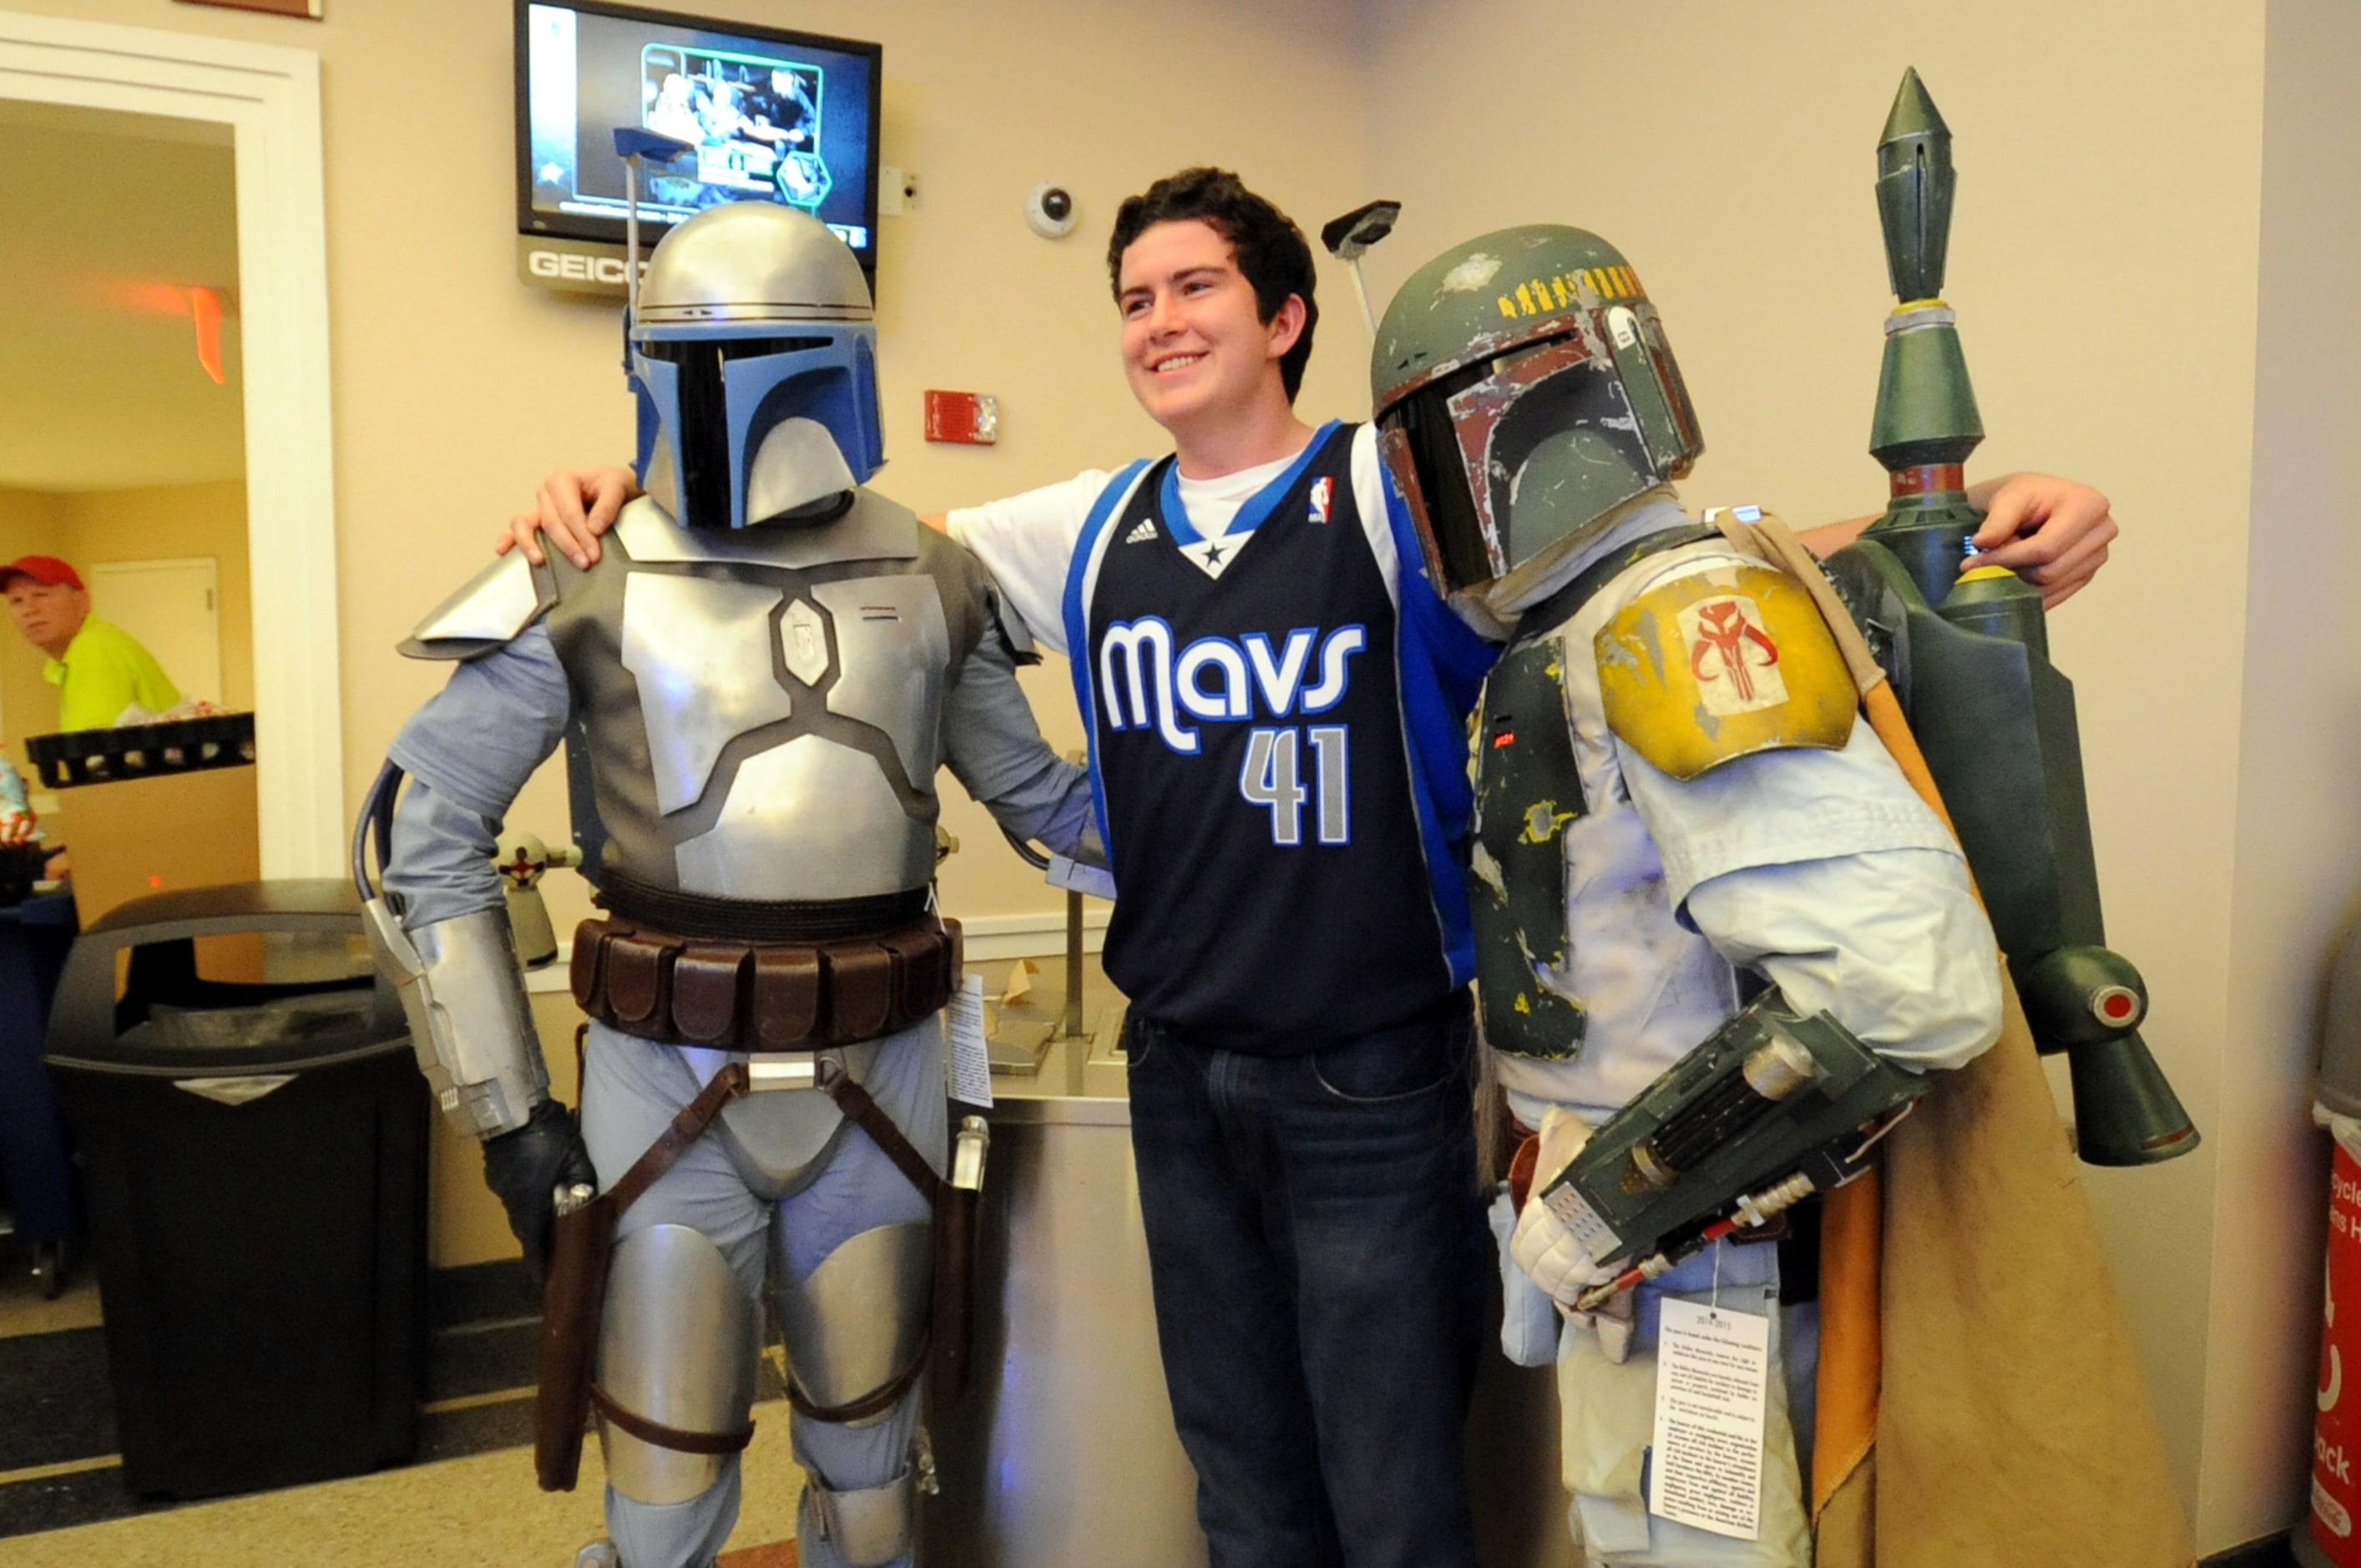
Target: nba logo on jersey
{"type": "Point", "coordinates": [1321, 488]}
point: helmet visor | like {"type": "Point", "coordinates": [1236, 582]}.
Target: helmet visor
{"type": "Point", "coordinates": [690, 380]}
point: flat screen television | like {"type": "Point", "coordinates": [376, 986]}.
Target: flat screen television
{"type": "Point", "coordinates": [774, 115]}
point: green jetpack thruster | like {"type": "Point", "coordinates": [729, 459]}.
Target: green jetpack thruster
{"type": "Point", "coordinates": [1969, 656]}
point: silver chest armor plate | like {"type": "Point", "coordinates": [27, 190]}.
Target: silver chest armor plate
{"type": "Point", "coordinates": [788, 687]}
{"type": "Point", "coordinates": [809, 816]}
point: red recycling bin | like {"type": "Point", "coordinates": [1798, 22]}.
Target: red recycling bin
{"type": "Point", "coordinates": [2337, 1435]}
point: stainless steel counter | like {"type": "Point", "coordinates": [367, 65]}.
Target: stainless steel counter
{"type": "Point", "coordinates": [1063, 1452]}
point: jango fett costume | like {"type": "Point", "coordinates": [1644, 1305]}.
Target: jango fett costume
{"type": "Point", "coordinates": [760, 678]}
{"type": "Point", "coordinates": [1687, 848]}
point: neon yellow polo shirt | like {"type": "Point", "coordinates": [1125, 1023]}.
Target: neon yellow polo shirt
{"type": "Point", "coordinates": [106, 671]}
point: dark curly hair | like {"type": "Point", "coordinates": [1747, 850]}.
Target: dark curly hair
{"type": "Point", "coordinates": [1270, 249]}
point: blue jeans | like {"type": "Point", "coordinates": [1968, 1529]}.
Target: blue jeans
{"type": "Point", "coordinates": [1319, 1263]}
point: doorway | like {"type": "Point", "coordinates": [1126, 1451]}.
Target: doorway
{"type": "Point", "coordinates": [263, 104]}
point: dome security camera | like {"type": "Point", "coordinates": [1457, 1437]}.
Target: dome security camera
{"type": "Point", "coordinates": [1049, 210]}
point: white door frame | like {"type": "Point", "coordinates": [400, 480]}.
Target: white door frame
{"type": "Point", "coordinates": [270, 98]}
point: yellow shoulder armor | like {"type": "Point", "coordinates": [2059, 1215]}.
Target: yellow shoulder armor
{"type": "Point", "coordinates": [1722, 663]}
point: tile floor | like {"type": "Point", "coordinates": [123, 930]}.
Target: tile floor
{"type": "Point", "coordinates": [469, 1501]}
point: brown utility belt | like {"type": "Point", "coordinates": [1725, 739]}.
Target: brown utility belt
{"type": "Point", "coordinates": [764, 996]}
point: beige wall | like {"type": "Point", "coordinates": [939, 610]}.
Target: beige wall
{"type": "Point", "coordinates": [2298, 844]}
{"type": "Point", "coordinates": [32, 523]}
{"type": "Point", "coordinates": [455, 386]}
{"type": "Point", "coordinates": [2104, 262]}
{"type": "Point", "coordinates": [2127, 207]}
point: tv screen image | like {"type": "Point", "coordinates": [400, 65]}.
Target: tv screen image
{"type": "Point", "coordinates": [770, 116]}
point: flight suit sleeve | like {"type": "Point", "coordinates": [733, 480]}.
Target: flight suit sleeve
{"type": "Point", "coordinates": [468, 752]}
{"type": "Point", "coordinates": [994, 748]}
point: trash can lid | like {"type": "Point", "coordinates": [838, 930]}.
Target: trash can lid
{"type": "Point", "coordinates": [242, 905]}
{"type": "Point", "coordinates": [221, 1027]}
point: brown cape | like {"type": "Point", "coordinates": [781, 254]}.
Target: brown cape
{"type": "Point", "coordinates": [2016, 1425]}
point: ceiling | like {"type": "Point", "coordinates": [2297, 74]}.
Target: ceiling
{"type": "Point", "coordinates": [112, 219]}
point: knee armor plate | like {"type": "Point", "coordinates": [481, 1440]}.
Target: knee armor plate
{"type": "Point", "coordinates": [859, 1318]}
{"type": "Point", "coordinates": [677, 1348]}
{"type": "Point", "coordinates": [868, 1527]}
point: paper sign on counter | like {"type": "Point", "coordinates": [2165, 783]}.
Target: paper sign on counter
{"type": "Point", "coordinates": [971, 1066]}
{"type": "Point", "coordinates": [1713, 1374]}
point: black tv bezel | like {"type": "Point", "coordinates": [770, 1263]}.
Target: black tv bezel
{"type": "Point", "coordinates": [610, 231]}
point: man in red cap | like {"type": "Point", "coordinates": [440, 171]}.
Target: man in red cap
{"type": "Point", "coordinates": [100, 669]}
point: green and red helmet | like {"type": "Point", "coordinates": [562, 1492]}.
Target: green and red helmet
{"type": "Point", "coordinates": [1525, 391]}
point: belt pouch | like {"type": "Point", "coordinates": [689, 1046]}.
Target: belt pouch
{"type": "Point", "coordinates": [590, 950]}
{"type": "Point", "coordinates": [705, 991]}
{"type": "Point", "coordinates": [787, 998]}
{"type": "Point", "coordinates": [860, 991]}
{"type": "Point", "coordinates": [638, 969]}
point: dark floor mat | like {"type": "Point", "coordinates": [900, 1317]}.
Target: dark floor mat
{"type": "Point", "coordinates": [61, 1407]}
{"type": "Point", "coordinates": [480, 1293]}
{"type": "Point", "coordinates": [59, 1403]}
{"type": "Point", "coordinates": [482, 1359]}
{"type": "Point", "coordinates": [478, 1428]}
{"type": "Point", "coordinates": [58, 1501]}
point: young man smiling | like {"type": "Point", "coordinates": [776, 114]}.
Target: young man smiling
{"type": "Point", "coordinates": [1277, 699]}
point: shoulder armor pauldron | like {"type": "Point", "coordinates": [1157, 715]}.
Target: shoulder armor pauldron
{"type": "Point", "coordinates": [495, 606]}
{"type": "Point", "coordinates": [1716, 664]}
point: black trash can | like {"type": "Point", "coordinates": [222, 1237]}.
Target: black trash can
{"type": "Point", "coordinates": [255, 1155]}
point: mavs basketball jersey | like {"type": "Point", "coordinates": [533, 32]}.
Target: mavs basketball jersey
{"type": "Point", "coordinates": [1278, 741]}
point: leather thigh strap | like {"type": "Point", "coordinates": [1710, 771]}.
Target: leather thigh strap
{"type": "Point", "coordinates": [884, 1397]}
{"type": "Point", "coordinates": [866, 1113]}
{"type": "Point", "coordinates": [659, 1435]}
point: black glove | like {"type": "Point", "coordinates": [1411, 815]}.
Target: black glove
{"type": "Point", "coordinates": [525, 1168]}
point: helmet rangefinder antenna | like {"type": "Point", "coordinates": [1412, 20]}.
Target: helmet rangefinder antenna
{"type": "Point", "coordinates": [632, 144]}
{"type": "Point", "coordinates": [1348, 236]}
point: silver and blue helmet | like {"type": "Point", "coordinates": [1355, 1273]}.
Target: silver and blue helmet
{"type": "Point", "coordinates": [756, 351]}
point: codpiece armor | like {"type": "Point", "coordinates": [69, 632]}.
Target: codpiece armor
{"type": "Point", "coordinates": [1701, 892]}
{"type": "Point", "coordinates": [758, 681]}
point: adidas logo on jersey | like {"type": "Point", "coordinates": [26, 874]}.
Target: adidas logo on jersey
{"type": "Point", "coordinates": [1146, 530]}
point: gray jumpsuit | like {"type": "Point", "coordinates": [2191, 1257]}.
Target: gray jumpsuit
{"type": "Point", "coordinates": [764, 712]}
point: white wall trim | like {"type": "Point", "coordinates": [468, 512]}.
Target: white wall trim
{"type": "Point", "coordinates": [270, 97]}
{"type": "Point", "coordinates": [1030, 935]}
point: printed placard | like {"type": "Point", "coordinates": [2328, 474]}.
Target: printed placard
{"type": "Point", "coordinates": [971, 1066]}
{"type": "Point", "coordinates": [1713, 1376]}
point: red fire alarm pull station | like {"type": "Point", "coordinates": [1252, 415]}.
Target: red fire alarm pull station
{"type": "Point", "coordinates": [972, 419]}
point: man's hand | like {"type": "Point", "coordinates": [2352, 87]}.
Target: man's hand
{"type": "Point", "coordinates": [525, 1168]}
{"type": "Point", "coordinates": [575, 506]}
{"type": "Point", "coordinates": [2052, 533]}
{"type": "Point", "coordinates": [1542, 1245]}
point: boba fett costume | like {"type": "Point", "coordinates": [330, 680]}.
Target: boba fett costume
{"type": "Point", "coordinates": [1676, 814]}
{"type": "Point", "coordinates": [760, 677]}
